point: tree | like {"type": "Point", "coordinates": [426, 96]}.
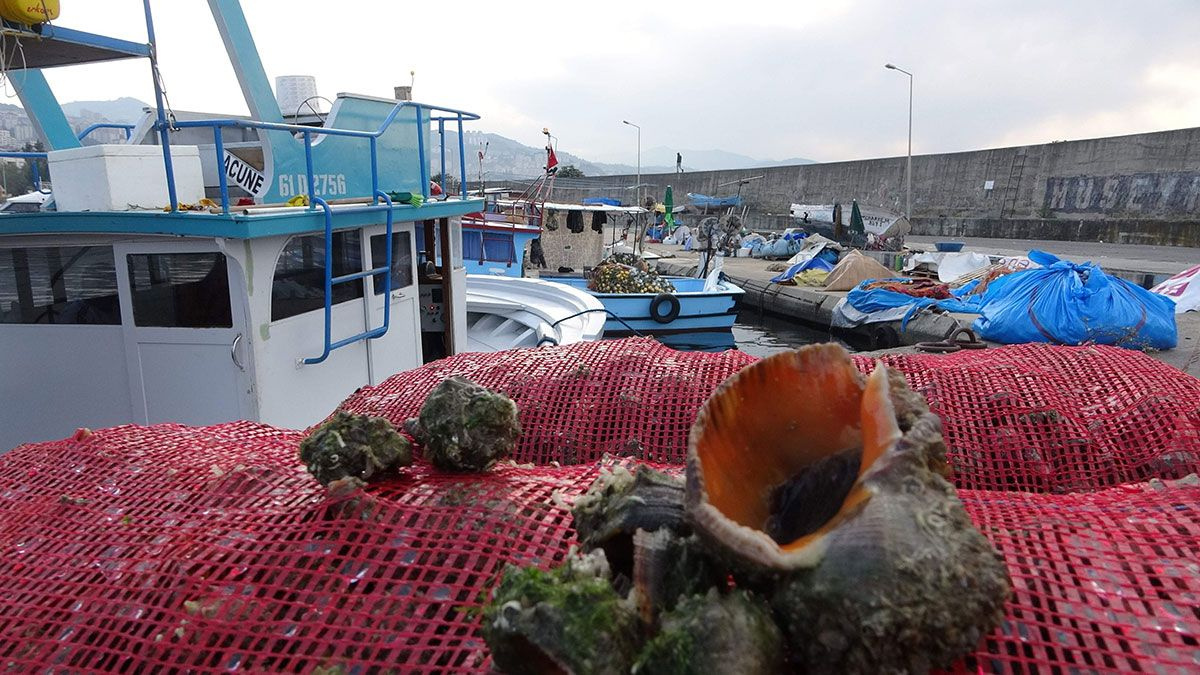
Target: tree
{"type": "Point", "coordinates": [448, 182]}
{"type": "Point", "coordinates": [569, 171]}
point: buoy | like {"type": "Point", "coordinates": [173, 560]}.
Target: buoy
{"type": "Point", "coordinates": [29, 11]}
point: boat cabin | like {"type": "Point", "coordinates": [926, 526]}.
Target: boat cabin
{"type": "Point", "coordinates": [173, 284]}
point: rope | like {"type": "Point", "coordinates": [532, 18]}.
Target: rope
{"type": "Point", "coordinates": [589, 311]}
{"type": "Point", "coordinates": [162, 86]}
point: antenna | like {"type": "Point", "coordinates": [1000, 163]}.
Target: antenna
{"type": "Point", "coordinates": [482, 154]}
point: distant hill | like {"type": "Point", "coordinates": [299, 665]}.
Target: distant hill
{"type": "Point", "coordinates": [508, 159]}
{"type": "Point", "coordinates": [124, 110]}
{"type": "Point", "coordinates": [709, 160]}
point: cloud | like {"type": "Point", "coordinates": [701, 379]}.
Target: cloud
{"type": "Point", "coordinates": [762, 78]}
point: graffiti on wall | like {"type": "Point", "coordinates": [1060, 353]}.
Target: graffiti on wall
{"type": "Point", "coordinates": [1152, 194]}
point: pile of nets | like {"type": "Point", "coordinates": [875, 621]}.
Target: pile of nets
{"type": "Point", "coordinates": [211, 549]}
{"type": "Point", "coordinates": [627, 273]}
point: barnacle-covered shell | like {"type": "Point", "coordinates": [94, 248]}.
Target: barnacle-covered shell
{"type": "Point", "coordinates": [466, 427]}
{"type": "Point", "coordinates": [360, 447]}
{"type": "Point", "coordinates": [566, 620]}
{"type": "Point", "coordinates": [895, 578]}
{"type": "Point", "coordinates": [715, 634]}
{"type": "Point", "coordinates": [668, 567]}
{"type": "Point", "coordinates": [619, 503]}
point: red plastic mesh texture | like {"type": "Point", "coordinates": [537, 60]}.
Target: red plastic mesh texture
{"type": "Point", "coordinates": [209, 549]}
{"type": "Point", "coordinates": [1024, 417]}
{"type": "Point", "coordinates": [631, 397]}
{"type": "Point", "coordinates": [1058, 419]}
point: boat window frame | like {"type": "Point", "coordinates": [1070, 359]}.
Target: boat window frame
{"type": "Point", "coordinates": [356, 248]}
{"type": "Point", "coordinates": [68, 255]}
{"type": "Point", "coordinates": [401, 264]}
{"type": "Point", "coordinates": [211, 304]}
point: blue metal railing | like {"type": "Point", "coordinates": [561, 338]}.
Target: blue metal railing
{"type": "Point", "coordinates": [128, 128]}
{"type": "Point", "coordinates": [331, 281]}
{"type": "Point", "coordinates": [307, 134]}
{"type": "Point", "coordinates": [33, 166]}
{"type": "Point", "coordinates": [378, 195]}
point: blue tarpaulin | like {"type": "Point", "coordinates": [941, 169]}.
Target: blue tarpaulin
{"type": "Point", "coordinates": [824, 261]}
{"type": "Point", "coordinates": [1066, 303]}
{"type": "Point", "coordinates": [706, 202]}
{"type": "Point", "coordinates": [881, 300]}
{"type": "Point", "coordinates": [608, 201]}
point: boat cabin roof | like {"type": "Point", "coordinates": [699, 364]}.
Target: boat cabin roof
{"type": "Point", "coordinates": [48, 45]}
{"type": "Point", "coordinates": [594, 207]}
{"type": "Point", "coordinates": [245, 223]}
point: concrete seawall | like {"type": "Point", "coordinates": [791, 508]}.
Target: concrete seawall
{"type": "Point", "coordinates": [1142, 188]}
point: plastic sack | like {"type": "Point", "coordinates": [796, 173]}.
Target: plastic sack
{"type": "Point", "coordinates": [1066, 303]}
{"type": "Point", "coordinates": [822, 260]}
{"type": "Point", "coordinates": [882, 304]}
{"type": "Point", "coordinates": [1183, 289]}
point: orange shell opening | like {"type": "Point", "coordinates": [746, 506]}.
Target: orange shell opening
{"type": "Point", "coordinates": [781, 414]}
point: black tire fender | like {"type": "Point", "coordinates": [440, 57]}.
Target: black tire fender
{"type": "Point", "coordinates": [672, 308]}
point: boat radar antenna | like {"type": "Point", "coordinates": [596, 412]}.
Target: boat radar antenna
{"type": "Point", "coordinates": [482, 154]}
{"type": "Point", "coordinates": [551, 166]}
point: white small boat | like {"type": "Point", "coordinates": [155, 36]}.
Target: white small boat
{"type": "Point", "coordinates": [508, 312]}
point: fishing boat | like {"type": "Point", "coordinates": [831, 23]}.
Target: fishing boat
{"type": "Point", "coordinates": [506, 310]}
{"type": "Point", "coordinates": [511, 313]}
{"type": "Point", "coordinates": [699, 315]}
{"type": "Point", "coordinates": [828, 220]}
{"type": "Point", "coordinates": [214, 269]}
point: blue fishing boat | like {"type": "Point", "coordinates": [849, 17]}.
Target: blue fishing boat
{"type": "Point", "coordinates": [693, 317]}
{"type": "Point", "coordinates": [216, 269]}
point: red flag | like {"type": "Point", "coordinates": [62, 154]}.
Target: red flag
{"type": "Point", "coordinates": [551, 161]}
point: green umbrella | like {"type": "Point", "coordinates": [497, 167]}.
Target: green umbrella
{"type": "Point", "coordinates": [856, 221]}
{"type": "Point", "coordinates": [669, 203]}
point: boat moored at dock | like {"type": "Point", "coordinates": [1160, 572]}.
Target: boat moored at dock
{"type": "Point", "coordinates": [162, 290]}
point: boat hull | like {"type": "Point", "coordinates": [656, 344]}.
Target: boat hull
{"type": "Point", "coordinates": [705, 320]}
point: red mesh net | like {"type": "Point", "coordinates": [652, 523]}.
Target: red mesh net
{"type": "Point", "coordinates": [208, 549]}
{"type": "Point", "coordinates": [1024, 417]}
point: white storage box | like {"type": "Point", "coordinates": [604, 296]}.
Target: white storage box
{"type": "Point", "coordinates": [123, 177]}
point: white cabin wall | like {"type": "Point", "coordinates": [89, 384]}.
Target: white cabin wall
{"type": "Point", "coordinates": [288, 394]}
{"type": "Point", "coordinates": [55, 379]}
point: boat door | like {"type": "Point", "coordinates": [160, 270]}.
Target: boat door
{"type": "Point", "coordinates": [400, 348]}
{"type": "Point", "coordinates": [183, 310]}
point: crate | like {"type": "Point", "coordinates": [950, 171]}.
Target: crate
{"type": "Point", "coordinates": [123, 177]}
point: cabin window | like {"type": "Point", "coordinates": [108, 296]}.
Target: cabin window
{"type": "Point", "coordinates": [487, 246]}
{"type": "Point", "coordinates": [402, 259]}
{"type": "Point", "coordinates": [59, 285]}
{"type": "Point", "coordinates": [180, 290]}
{"type": "Point", "coordinates": [299, 284]}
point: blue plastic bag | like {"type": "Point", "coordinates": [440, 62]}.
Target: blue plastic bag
{"type": "Point", "coordinates": [880, 300]}
{"type": "Point", "coordinates": [817, 262]}
{"type": "Point", "coordinates": [1066, 303]}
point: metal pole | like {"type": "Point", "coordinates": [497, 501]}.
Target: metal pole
{"type": "Point", "coordinates": [163, 127]}
{"type": "Point", "coordinates": [908, 170]}
{"type": "Point", "coordinates": [908, 166]}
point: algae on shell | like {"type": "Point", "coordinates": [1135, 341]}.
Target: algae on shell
{"type": "Point", "coordinates": [355, 446]}
{"type": "Point", "coordinates": [568, 619]}
{"type": "Point", "coordinates": [466, 427]}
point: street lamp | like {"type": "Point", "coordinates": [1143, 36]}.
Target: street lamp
{"type": "Point", "coordinates": [639, 159]}
{"type": "Point", "coordinates": [908, 170]}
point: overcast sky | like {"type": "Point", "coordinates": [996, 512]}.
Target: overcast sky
{"type": "Point", "coordinates": [771, 80]}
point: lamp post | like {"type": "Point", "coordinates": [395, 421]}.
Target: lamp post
{"type": "Point", "coordinates": [908, 169]}
{"type": "Point", "coordinates": [639, 159]}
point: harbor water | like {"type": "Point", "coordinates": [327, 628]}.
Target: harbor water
{"type": "Point", "coordinates": [760, 334]}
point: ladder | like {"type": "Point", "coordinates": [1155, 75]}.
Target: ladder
{"type": "Point", "coordinates": [1008, 203]}
{"type": "Point", "coordinates": [331, 281]}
